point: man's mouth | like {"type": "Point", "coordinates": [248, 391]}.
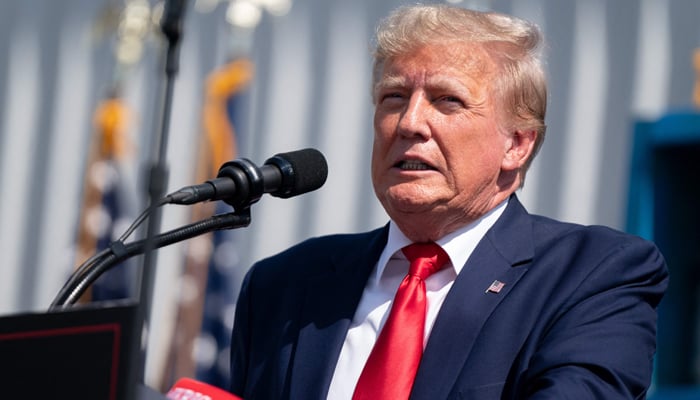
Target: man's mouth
{"type": "Point", "coordinates": [413, 165]}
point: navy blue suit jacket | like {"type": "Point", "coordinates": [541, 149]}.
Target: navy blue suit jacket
{"type": "Point", "coordinates": [576, 318]}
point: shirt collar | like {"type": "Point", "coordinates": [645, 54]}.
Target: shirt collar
{"type": "Point", "coordinates": [458, 245]}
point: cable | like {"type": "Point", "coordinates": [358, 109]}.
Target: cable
{"type": "Point", "coordinates": [79, 273]}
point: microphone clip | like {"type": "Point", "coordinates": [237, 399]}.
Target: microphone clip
{"type": "Point", "coordinates": [247, 179]}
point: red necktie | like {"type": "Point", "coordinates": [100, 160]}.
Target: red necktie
{"type": "Point", "coordinates": [393, 362]}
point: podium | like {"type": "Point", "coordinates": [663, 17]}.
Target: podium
{"type": "Point", "coordinates": [87, 352]}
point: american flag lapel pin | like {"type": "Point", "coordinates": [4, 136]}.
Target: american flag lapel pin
{"type": "Point", "coordinates": [495, 287]}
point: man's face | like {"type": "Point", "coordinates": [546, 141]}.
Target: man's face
{"type": "Point", "coordinates": [438, 148]}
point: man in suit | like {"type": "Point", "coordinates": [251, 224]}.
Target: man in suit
{"type": "Point", "coordinates": [523, 307]}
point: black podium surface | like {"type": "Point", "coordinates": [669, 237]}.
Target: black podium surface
{"type": "Point", "coordinates": [88, 352]}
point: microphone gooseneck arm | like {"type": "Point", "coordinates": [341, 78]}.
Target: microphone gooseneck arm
{"type": "Point", "coordinates": [119, 251]}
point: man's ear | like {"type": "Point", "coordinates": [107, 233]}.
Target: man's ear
{"type": "Point", "coordinates": [519, 148]}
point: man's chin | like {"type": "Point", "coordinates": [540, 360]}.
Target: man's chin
{"type": "Point", "coordinates": [410, 204]}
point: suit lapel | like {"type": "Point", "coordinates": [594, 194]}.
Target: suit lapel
{"type": "Point", "coordinates": [329, 306]}
{"type": "Point", "coordinates": [502, 255]}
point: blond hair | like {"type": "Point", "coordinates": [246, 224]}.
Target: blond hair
{"type": "Point", "coordinates": [514, 44]}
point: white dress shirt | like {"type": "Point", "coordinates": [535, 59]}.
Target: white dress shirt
{"type": "Point", "coordinates": [381, 287]}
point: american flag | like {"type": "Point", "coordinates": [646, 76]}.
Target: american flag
{"type": "Point", "coordinates": [213, 344]}
{"type": "Point", "coordinates": [202, 335]}
{"type": "Point", "coordinates": [114, 211]}
{"type": "Point", "coordinates": [495, 287]}
{"type": "Point", "coordinates": [108, 205]}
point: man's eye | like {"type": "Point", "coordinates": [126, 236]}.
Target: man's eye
{"type": "Point", "coordinates": [451, 99]}
{"type": "Point", "coordinates": [392, 95]}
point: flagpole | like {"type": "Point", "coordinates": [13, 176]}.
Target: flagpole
{"type": "Point", "coordinates": [171, 27]}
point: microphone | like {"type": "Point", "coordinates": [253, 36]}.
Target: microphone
{"type": "Point", "coordinates": [172, 19]}
{"type": "Point", "coordinates": [190, 389]}
{"type": "Point", "coordinates": [241, 183]}
{"type": "Point", "coordinates": [171, 26]}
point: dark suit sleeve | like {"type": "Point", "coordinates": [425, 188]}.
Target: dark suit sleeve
{"type": "Point", "coordinates": [602, 343]}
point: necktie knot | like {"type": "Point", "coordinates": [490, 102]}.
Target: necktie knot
{"type": "Point", "coordinates": [425, 258]}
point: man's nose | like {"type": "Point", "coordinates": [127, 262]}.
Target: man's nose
{"type": "Point", "coordinates": [415, 117]}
